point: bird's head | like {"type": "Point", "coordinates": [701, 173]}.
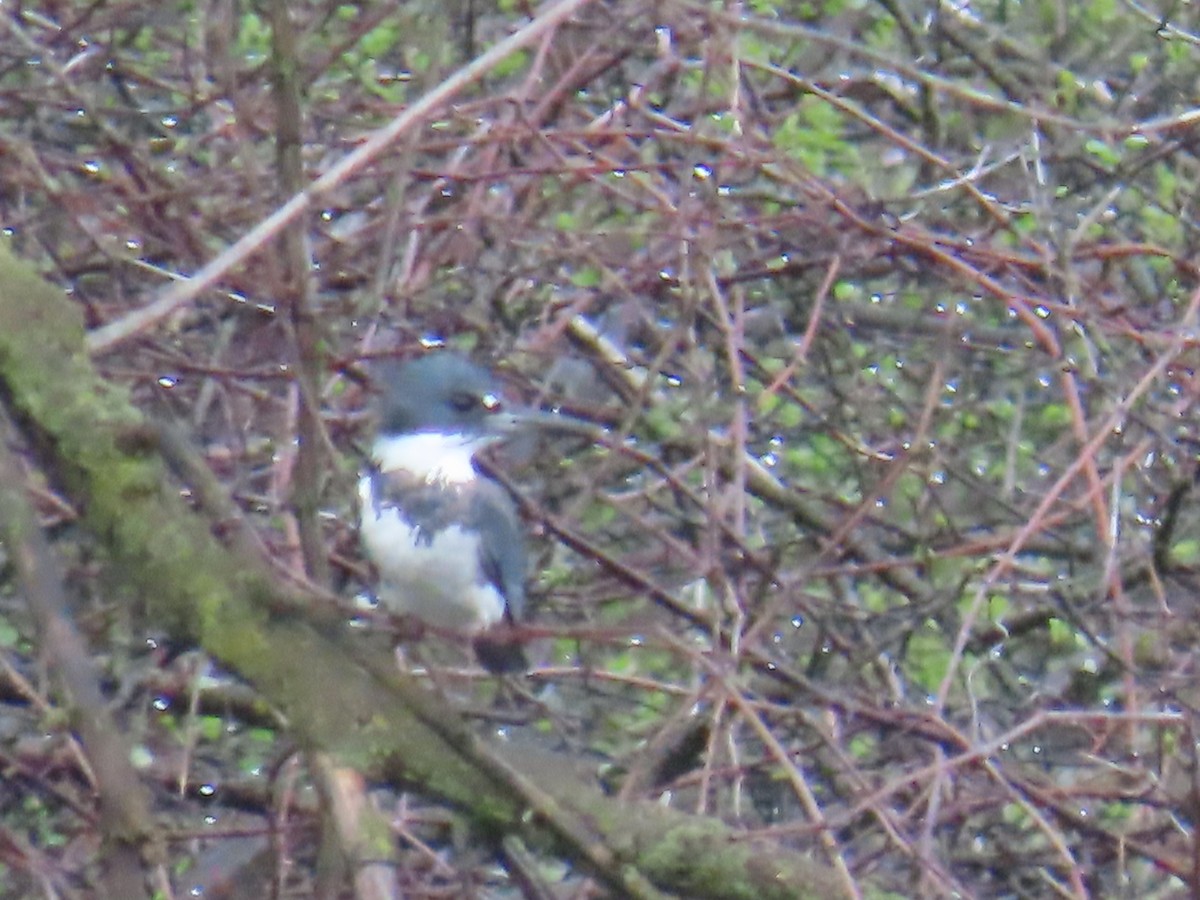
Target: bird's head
{"type": "Point", "coordinates": [442, 392]}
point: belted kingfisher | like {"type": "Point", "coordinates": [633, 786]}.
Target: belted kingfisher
{"type": "Point", "coordinates": [445, 540]}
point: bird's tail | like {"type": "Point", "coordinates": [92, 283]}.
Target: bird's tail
{"type": "Point", "coordinates": [500, 652]}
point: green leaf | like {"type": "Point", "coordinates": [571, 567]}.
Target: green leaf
{"type": "Point", "coordinates": [511, 64]}
{"type": "Point", "coordinates": [1104, 152]}
{"type": "Point", "coordinates": [211, 728]}
{"type": "Point", "coordinates": [586, 278]}
{"type": "Point", "coordinates": [928, 656]}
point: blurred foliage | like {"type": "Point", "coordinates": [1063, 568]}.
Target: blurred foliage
{"type": "Point", "coordinates": [898, 311]}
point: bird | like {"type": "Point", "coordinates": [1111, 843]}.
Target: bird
{"type": "Point", "coordinates": [445, 540]}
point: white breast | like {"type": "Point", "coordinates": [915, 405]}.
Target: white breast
{"type": "Point", "coordinates": [435, 580]}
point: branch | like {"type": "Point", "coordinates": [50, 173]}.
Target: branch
{"type": "Point", "coordinates": [127, 825]}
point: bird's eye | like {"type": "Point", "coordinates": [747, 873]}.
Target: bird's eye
{"type": "Point", "coordinates": [462, 401]}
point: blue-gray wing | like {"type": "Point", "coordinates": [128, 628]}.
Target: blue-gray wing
{"type": "Point", "coordinates": [502, 543]}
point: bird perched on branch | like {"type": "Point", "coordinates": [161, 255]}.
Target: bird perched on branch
{"type": "Point", "coordinates": [445, 539]}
